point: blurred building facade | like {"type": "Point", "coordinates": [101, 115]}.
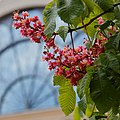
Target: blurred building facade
{"type": "Point", "coordinates": [25, 81]}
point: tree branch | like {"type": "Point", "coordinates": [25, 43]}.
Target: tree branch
{"type": "Point", "coordinates": [107, 11]}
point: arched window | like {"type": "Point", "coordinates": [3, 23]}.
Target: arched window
{"type": "Point", "coordinates": [25, 81]}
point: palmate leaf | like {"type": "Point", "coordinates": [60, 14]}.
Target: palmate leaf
{"type": "Point", "coordinates": [67, 98]}
{"type": "Point", "coordinates": [103, 91]}
{"type": "Point", "coordinates": [50, 14]}
{"type": "Point", "coordinates": [68, 10]}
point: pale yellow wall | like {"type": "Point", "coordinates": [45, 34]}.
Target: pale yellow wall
{"type": "Point", "coordinates": [55, 114]}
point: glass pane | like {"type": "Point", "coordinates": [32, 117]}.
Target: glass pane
{"type": "Point", "coordinates": [26, 82]}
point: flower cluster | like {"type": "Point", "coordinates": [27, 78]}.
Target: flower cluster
{"type": "Point", "coordinates": [30, 27]}
{"type": "Point", "coordinates": [72, 63]}
{"type": "Point", "coordinates": [68, 62]}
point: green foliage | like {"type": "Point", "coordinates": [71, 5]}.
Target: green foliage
{"type": "Point", "coordinates": [89, 110]}
{"type": "Point", "coordinates": [67, 98]}
{"type": "Point", "coordinates": [63, 31]}
{"type": "Point", "coordinates": [102, 90]}
{"type": "Point", "coordinates": [109, 60]}
{"type": "Point", "coordinates": [76, 114]}
{"type": "Point", "coordinates": [82, 104]}
{"type": "Point", "coordinates": [83, 87]}
{"type": "Point", "coordinates": [105, 25]}
{"type": "Point", "coordinates": [86, 104]}
{"type": "Point", "coordinates": [88, 8]}
{"type": "Point", "coordinates": [68, 10]}
{"type": "Point", "coordinates": [99, 89]}
{"type": "Point", "coordinates": [105, 4]}
{"type": "Point", "coordinates": [91, 30]}
{"type": "Point", "coordinates": [114, 42]}
{"type": "Point", "coordinates": [59, 80]}
{"type": "Point", "coordinates": [117, 13]}
{"type": "Point", "coordinates": [112, 116]}
{"type": "Point", "coordinates": [50, 14]}
{"type": "Point", "coordinates": [105, 85]}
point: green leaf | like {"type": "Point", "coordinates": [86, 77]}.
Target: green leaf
{"type": "Point", "coordinates": [112, 116]}
{"type": "Point", "coordinates": [103, 91]}
{"type": "Point", "coordinates": [91, 30]}
{"type": "Point", "coordinates": [117, 12]}
{"type": "Point", "coordinates": [118, 56]}
{"type": "Point", "coordinates": [76, 114]}
{"type": "Point", "coordinates": [105, 4]}
{"type": "Point", "coordinates": [63, 31]}
{"type": "Point", "coordinates": [67, 98]}
{"type": "Point", "coordinates": [117, 22]}
{"type": "Point", "coordinates": [89, 110]}
{"type": "Point", "coordinates": [59, 80]}
{"type": "Point", "coordinates": [115, 109]}
{"type": "Point", "coordinates": [92, 118]}
{"type": "Point", "coordinates": [110, 60]}
{"type": "Point", "coordinates": [105, 25]}
{"type": "Point", "coordinates": [83, 87]}
{"type": "Point", "coordinates": [114, 42]}
{"type": "Point", "coordinates": [90, 5]}
{"type": "Point", "coordinates": [113, 62]}
{"type": "Point", "coordinates": [68, 10]}
{"type": "Point", "coordinates": [82, 104]}
{"type": "Point", "coordinates": [50, 14]}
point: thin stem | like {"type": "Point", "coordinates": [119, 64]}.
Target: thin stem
{"type": "Point", "coordinates": [72, 41]}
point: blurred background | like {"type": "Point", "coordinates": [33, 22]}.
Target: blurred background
{"type": "Point", "coordinates": [25, 81]}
